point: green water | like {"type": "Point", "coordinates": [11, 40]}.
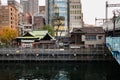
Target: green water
{"type": "Point", "coordinates": [59, 71]}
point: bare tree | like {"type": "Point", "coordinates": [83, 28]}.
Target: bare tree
{"type": "Point", "coordinates": [57, 22]}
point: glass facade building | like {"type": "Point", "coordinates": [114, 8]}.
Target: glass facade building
{"type": "Point", "coordinates": [58, 9]}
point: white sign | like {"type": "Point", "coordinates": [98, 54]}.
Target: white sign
{"type": "Point", "coordinates": [27, 40]}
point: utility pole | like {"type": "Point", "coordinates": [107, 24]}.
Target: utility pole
{"type": "Point", "coordinates": [114, 19]}
{"type": "Point", "coordinates": [68, 20]}
{"type": "Point", "coordinates": [114, 15]}
{"type": "Point", "coordinates": [106, 10]}
{"type": "Point", "coordinates": [109, 5]}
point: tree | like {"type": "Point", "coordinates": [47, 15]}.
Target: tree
{"type": "Point", "coordinates": [49, 28]}
{"type": "Point", "coordinates": [7, 34]}
{"type": "Point", "coordinates": [58, 22]}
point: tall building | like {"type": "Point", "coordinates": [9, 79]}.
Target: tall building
{"type": "Point", "coordinates": [16, 4]}
{"type": "Point", "coordinates": [19, 8]}
{"type": "Point", "coordinates": [8, 16]}
{"type": "Point", "coordinates": [30, 6]}
{"type": "Point", "coordinates": [76, 17]}
{"type": "Point", "coordinates": [58, 9]}
{"type": "Point", "coordinates": [33, 7]}
{"type": "Point", "coordinates": [25, 6]}
{"type": "Point", "coordinates": [0, 2]}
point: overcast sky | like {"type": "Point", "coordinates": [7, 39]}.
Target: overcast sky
{"type": "Point", "coordinates": [92, 9]}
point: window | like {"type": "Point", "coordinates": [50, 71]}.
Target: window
{"type": "Point", "coordinates": [90, 37]}
{"type": "Point", "coordinates": [99, 37]}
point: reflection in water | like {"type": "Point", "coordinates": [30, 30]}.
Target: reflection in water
{"type": "Point", "coordinates": [59, 71]}
{"type": "Point", "coordinates": [62, 75]}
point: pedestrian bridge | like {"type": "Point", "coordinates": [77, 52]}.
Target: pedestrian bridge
{"type": "Point", "coordinates": [113, 44]}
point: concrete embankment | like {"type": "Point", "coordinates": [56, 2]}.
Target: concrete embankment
{"type": "Point", "coordinates": [82, 54]}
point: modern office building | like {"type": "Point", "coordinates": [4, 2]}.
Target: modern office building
{"type": "Point", "coordinates": [25, 6]}
{"type": "Point", "coordinates": [70, 10]}
{"type": "Point", "coordinates": [58, 10]}
{"type": "Point", "coordinates": [8, 16]}
{"type": "Point", "coordinates": [30, 6]}
{"type": "Point", "coordinates": [76, 17]}
{"type": "Point", "coordinates": [33, 7]}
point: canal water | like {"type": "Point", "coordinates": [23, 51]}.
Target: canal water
{"type": "Point", "coordinates": [59, 71]}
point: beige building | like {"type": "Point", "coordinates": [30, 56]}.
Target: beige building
{"type": "Point", "coordinates": [76, 18]}
{"type": "Point", "coordinates": [88, 36]}
{"type": "Point", "coordinates": [39, 22]}
{"type": "Point", "coordinates": [8, 16]}
{"type": "Point", "coordinates": [42, 9]}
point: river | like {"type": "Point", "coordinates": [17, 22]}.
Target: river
{"type": "Point", "coordinates": [59, 70]}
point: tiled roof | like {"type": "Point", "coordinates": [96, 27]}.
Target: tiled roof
{"type": "Point", "coordinates": [39, 34]}
{"type": "Point", "coordinates": [92, 30]}
{"type": "Point", "coordinates": [36, 34]}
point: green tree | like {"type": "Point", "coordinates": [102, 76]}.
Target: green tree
{"type": "Point", "coordinates": [49, 28]}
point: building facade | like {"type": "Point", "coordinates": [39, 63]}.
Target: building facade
{"type": "Point", "coordinates": [39, 22]}
{"type": "Point", "coordinates": [42, 11]}
{"type": "Point", "coordinates": [30, 6]}
{"type": "Point", "coordinates": [25, 6]}
{"type": "Point", "coordinates": [88, 37]}
{"type": "Point", "coordinates": [36, 39]}
{"type": "Point", "coordinates": [33, 7]}
{"type": "Point", "coordinates": [76, 16]}
{"type": "Point", "coordinates": [8, 16]}
{"type": "Point", "coordinates": [19, 7]}
{"type": "Point", "coordinates": [58, 9]}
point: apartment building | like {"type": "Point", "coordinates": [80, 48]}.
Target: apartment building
{"type": "Point", "coordinates": [76, 16]}
{"type": "Point", "coordinates": [8, 16]}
